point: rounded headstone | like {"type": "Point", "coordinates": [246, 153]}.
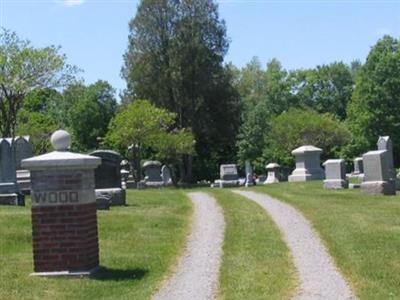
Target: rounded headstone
{"type": "Point", "coordinates": [61, 140]}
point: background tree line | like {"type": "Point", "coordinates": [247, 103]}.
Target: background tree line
{"type": "Point", "coordinates": [198, 111]}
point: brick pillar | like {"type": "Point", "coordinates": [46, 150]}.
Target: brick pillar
{"type": "Point", "coordinates": [64, 219]}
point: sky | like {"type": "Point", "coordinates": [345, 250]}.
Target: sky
{"type": "Point", "coordinates": [301, 34]}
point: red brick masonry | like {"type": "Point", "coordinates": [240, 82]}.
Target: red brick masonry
{"type": "Point", "coordinates": [65, 238]}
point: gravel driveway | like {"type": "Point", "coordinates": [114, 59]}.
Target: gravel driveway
{"type": "Point", "coordinates": [196, 276]}
{"type": "Point", "coordinates": [319, 278]}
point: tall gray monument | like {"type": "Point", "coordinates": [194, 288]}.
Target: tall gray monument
{"type": "Point", "coordinates": [376, 173]}
{"type": "Point", "coordinates": [307, 164]}
{"type": "Point", "coordinates": [385, 143]}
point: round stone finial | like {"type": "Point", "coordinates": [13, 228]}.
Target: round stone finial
{"type": "Point", "coordinates": [61, 140]}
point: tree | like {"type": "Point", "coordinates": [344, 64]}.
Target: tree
{"type": "Point", "coordinates": [267, 94]}
{"type": "Point", "coordinates": [374, 108]}
{"type": "Point", "coordinates": [298, 127]}
{"type": "Point", "coordinates": [174, 59]}
{"type": "Point", "coordinates": [143, 127]}
{"type": "Point", "coordinates": [23, 69]}
{"type": "Point", "coordinates": [326, 89]}
{"type": "Point", "coordinates": [91, 114]}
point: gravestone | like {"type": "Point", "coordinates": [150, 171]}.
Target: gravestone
{"type": "Point", "coordinates": [108, 178]}
{"type": "Point", "coordinates": [272, 173]}
{"type": "Point", "coordinates": [249, 174]}
{"type": "Point", "coordinates": [125, 171]}
{"type": "Point", "coordinates": [10, 193]}
{"type": "Point", "coordinates": [358, 166]}
{"type": "Point", "coordinates": [261, 178]}
{"type": "Point", "coordinates": [23, 150]}
{"type": "Point", "coordinates": [376, 174]}
{"type": "Point", "coordinates": [335, 174]}
{"type": "Point", "coordinates": [152, 174]}
{"type": "Point", "coordinates": [307, 164]}
{"type": "Point", "coordinates": [228, 176]}
{"type": "Point", "coordinates": [385, 143]}
{"type": "Point", "coordinates": [166, 175]}
{"type": "Point", "coordinates": [64, 219]}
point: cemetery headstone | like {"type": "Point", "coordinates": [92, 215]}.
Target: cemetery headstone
{"type": "Point", "coordinates": [358, 166]}
{"type": "Point", "coordinates": [125, 171]}
{"type": "Point", "coordinates": [376, 174]}
{"type": "Point", "coordinates": [385, 143]}
{"type": "Point", "coordinates": [228, 176]}
{"type": "Point", "coordinates": [166, 175]}
{"type": "Point", "coordinates": [307, 164]}
{"type": "Point", "coordinates": [249, 174]}
{"type": "Point", "coordinates": [108, 178]}
{"type": "Point", "coordinates": [152, 172]}
{"type": "Point", "coordinates": [23, 150]}
{"type": "Point", "coordinates": [273, 170]}
{"type": "Point", "coordinates": [10, 193]}
{"type": "Point", "coordinates": [64, 218]}
{"type": "Point", "coordinates": [335, 174]}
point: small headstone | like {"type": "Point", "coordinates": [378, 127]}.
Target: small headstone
{"type": "Point", "coordinates": [249, 174]}
{"type": "Point", "coordinates": [335, 174]}
{"type": "Point", "coordinates": [261, 179]}
{"type": "Point", "coordinates": [228, 176]}
{"type": "Point", "coordinates": [152, 173]}
{"type": "Point", "coordinates": [166, 175]}
{"type": "Point", "coordinates": [64, 219]}
{"type": "Point", "coordinates": [10, 193]}
{"type": "Point", "coordinates": [23, 150]}
{"type": "Point", "coordinates": [358, 166]}
{"type": "Point", "coordinates": [307, 164]}
{"type": "Point", "coordinates": [376, 174]}
{"type": "Point", "coordinates": [108, 177]}
{"type": "Point", "coordinates": [272, 173]}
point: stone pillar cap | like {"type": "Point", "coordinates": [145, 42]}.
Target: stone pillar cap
{"type": "Point", "coordinates": [61, 158]}
{"type": "Point", "coordinates": [305, 149]}
{"type": "Point", "coordinates": [272, 166]}
{"type": "Point", "coordinates": [152, 163]}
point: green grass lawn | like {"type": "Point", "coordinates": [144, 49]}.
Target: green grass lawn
{"type": "Point", "coordinates": [139, 244]}
{"type": "Point", "coordinates": [361, 232]}
{"type": "Point", "coordinates": [256, 262]}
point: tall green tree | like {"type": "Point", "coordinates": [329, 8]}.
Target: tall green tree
{"type": "Point", "coordinates": [265, 94]}
{"type": "Point", "coordinates": [374, 108]}
{"type": "Point", "coordinates": [175, 59]}
{"type": "Point", "coordinates": [35, 120]}
{"type": "Point", "coordinates": [23, 69]}
{"type": "Point", "coordinates": [326, 89]}
{"type": "Point", "coordinates": [141, 127]}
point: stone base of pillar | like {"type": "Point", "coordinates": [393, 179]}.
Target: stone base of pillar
{"type": "Point", "coordinates": [305, 177]}
{"type": "Point", "coordinates": [66, 273]}
{"type": "Point", "coordinates": [333, 184]}
{"type": "Point", "coordinates": [378, 188]}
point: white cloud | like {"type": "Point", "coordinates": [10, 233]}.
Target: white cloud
{"type": "Point", "coordinates": [72, 2]}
